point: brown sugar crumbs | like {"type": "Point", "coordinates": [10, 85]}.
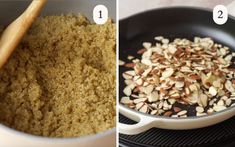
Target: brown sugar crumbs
{"type": "Point", "coordinates": [60, 81]}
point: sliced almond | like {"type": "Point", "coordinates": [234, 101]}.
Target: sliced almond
{"type": "Point", "coordinates": [147, 45]}
{"type": "Point", "coordinates": [121, 63]}
{"type": "Point", "coordinates": [126, 100]}
{"type": "Point", "coordinates": [204, 100]}
{"type": "Point", "coordinates": [168, 113]}
{"type": "Point", "coordinates": [179, 84]}
{"type": "Point", "coordinates": [167, 73]}
{"type": "Point", "coordinates": [130, 57]}
{"type": "Point", "coordinates": [130, 72]}
{"type": "Point", "coordinates": [153, 97]}
{"type": "Point", "coordinates": [177, 109]}
{"type": "Point", "coordinates": [144, 109]}
{"type": "Point", "coordinates": [139, 81]}
{"type": "Point", "coordinates": [183, 112]}
{"type": "Point", "coordinates": [199, 109]}
{"type": "Point", "coordinates": [147, 90]}
{"type": "Point", "coordinates": [212, 91]}
{"type": "Point", "coordinates": [129, 65]}
{"type": "Point", "coordinates": [228, 85]}
{"type": "Point", "coordinates": [127, 76]}
{"type": "Point", "coordinates": [220, 103]}
{"type": "Point", "coordinates": [218, 108]}
{"type": "Point", "coordinates": [139, 105]}
{"type": "Point", "coordinates": [127, 91]}
{"type": "Point", "coordinates": [138, 100]}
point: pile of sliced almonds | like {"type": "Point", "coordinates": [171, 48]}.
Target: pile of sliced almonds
{"type": "Point", "coordinates": [194, 73]}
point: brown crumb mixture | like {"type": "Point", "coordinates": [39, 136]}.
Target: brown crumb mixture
{"type": "Point", "coordinates": [60, 81]}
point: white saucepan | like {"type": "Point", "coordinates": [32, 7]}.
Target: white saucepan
{"type": "Point", "coordinates": [9, 10]}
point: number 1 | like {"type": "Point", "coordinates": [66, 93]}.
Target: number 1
{"type": "Point", "coordinates": [100, 14]}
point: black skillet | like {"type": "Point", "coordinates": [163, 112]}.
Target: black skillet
{"type": "Point", "coordinates": [176, 22]}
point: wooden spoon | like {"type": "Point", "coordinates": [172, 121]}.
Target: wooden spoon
{"type": "Point", "coordinates": [13, 34]}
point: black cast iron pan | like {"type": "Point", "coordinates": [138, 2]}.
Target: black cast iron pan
{"type": "Point", "coordinates": [176, 22]}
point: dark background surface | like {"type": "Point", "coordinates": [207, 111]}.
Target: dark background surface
{"type": "Point", "coordinates": [219, 135]}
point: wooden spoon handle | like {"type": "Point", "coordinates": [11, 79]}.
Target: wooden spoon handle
{"type": "Point", "coordinates": [13, 34]}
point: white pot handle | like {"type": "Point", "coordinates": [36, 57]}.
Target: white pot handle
{"type": "Point", "coordinates": [231, 8]}
{"type": "Point", "coordinates": [144, 122]}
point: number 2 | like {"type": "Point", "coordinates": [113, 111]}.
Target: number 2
{"type": "Point", "coordinates": [220, 14]}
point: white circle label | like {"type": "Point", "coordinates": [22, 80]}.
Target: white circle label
{"type": "Point", "coordinates": [220, 14]}
{"type": "Point", "coordinates": [100, 14]}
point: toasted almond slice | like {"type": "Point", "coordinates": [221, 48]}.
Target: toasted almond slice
{"type": "Point", "coordinates": [183, 112]}
{"type": "Point", "coordinates": [228, 102]}
{"type": "Point", "coordinates": [121, 63]}
{"type": "Point", "coordinates": [127, 90]}
{"type": "Point", "coordinates": [175, 95]}
{"type": "Point", "coordinates": [147, 45]}
{"type": "Point", "coordinates": [199, 109]}
{"type": "Point", "coordinates": [168, 72]}
{"type": "Point", "coordinates": [165, 41]}
{"type": "Point", "coordinates": [228, 58]}
{"type": "Point", "coordinates": [146, 61]}
{"type": "Point", "coordinates": [171, 101]}
{"type": "Point", "coordinates": [185, 69]}
{"type": "Point", "coordinates": [218, 108]}
{"type": "Point", "coordinates": [129, 65]}
{"type": "Point", "coordinates": [200, 114]}
{"type": "Point", "coordinates": [187, 91]}
{"type": "Point", "coordinates": [224, 98]}
{"type": "Point", "coordinates": [153, 97]}
{"type": "Point", "coordinates": [172, 49]}
{"type": "Point", "coordinates": [165, 104]}
{"type": "Point", "coordinates": [179, 84]}
{"type": "Point", "coordinates": [220, 103]}
{"type": "Point", "coordinates": [158, 38]}
{"type": "Point", "coordinates": [204, 100]}
{"type": "Point", "coordinates": [153, 112]}
{"type": "Point", "coordinates": [194, 77]}
{"type": "Point", "coordinates": [157, 50]}
{"type": "Point", "coordinates": [168, 113]}
{"type": "Point", "coordinates": [139, 105]}
{"type": "Point", "coordinates": [144, 109]}
{"type": "Point", "coordinates": [127, 76]}
{"type": "Point", "coordinates": [147, 71]}
{"type": "Point", "coordinates": [138, 100]}
{"type": "Point", "coordinates": [200, 68]}
{"type": "Point", "coordinates": [130, 72]}
{"type": "Point", "coordinates": [210, 110]}
{"type": "Point", "coordinates": [147, 90]}
{"type": "Point", "coordinates": [193, 88]}
{"type": "Point", "coordinates": [139, 81]}
{"type": "Point", "coordinates": [136, 78]}
{"type": "Point", "coordinates": [212, 91]}
{"type": "Point", "coordinates": [126, 100]}
{"type": "Point", "coordinates": [129, 57]}
{"type": "Point", "coordinates": [177, 109]}
{"type": "Point", "coordinates": [229, 86]}
{"type": "Point", "coordinates": [128, 82]}
{"type": "Point", "coordinates": [223, 51]}
{"type": "Point", "coordinates": [147, 55]}
{"type": "Point", "coordinates": [135, 96]}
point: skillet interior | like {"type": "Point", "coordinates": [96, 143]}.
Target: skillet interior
{"type": "Point", "coordinates": [178, 22]}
